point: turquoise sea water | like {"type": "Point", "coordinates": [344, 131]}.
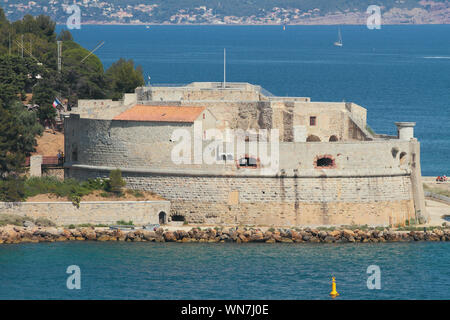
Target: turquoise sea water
{"type": "Point", "coordinates": [399, 73]}
{"type": "Point", "coordinates": [224, 271]}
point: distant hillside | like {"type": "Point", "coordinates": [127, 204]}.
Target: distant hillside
{"type": "Point", "coordinates": [235, 11]}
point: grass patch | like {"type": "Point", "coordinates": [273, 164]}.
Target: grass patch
{"type": "Point", "coordinates": [71, 189]}
{"type": "Point", "coordinates": [136, 193]}
{"type": "Point", "coordinates": [368, 128]}
{"type": "Point", "coordinates": [17, 220]}
{"type": "Point", "coordinates": [124, 223]}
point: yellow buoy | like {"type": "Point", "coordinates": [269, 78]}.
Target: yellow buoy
{"type": "Point", "coordinates": [333, 292]}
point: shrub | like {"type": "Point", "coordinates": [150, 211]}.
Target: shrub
{"type": "Point", "coordinates": [124, 223]}
{"type": "Point", "coordinates": [69, 188]}
{"type": "Point", "coordinates": [115, 183]}
{"type": "Point", "coordinates": [12, 189]}
{"type": "Point", "coordinates": [44, 222]}
{"type": "Point", "coordinates": [136, 193]}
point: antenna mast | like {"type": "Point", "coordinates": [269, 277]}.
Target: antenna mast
{"type": "Point", "coordinates": [59, 55]}
{"type": "Point", "coordinates": [224, 67]}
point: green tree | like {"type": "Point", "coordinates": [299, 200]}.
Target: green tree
{"type": "Point", "coordinates": [12, 189]}
{"type": "Point", "coordinates": [115, 182]}
{"type": "Point", "coordinates": [123, 77]}
{"type": "Point", "coordinates": [65, 35]}
{"type": "Point", "coordinates": [44, 96]}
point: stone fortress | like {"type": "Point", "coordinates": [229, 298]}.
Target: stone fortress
{"type": "Point", "coordinates": [326, 168]}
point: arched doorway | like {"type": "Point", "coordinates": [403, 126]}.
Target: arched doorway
{"type": "Point", "coordinates": [312, 138]}
{"type": "Point", "coordinates": [162, 217]}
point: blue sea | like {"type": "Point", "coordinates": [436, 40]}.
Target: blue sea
{"type": "Point", "coordinates": [124, 270]}
{"type": "Point", "coordinates": [398, 73]}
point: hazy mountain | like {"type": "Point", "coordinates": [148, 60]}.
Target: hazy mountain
{"type": "Point", "coordinates": [234, 11]}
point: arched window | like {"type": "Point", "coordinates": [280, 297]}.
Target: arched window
{"type": "Point", "coordinates": [312, 138]}
{"type": "Point", "coordinates": [333, 138]}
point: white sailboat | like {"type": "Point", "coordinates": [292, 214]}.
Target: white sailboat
{"type": "Point", "coordinates": [339, 42]}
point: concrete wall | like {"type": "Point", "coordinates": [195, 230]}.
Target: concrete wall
{"type": "Point", "coordinates": [105, 212]}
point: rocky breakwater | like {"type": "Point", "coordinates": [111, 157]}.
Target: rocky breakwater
{"type": "Point", "coordinates": [16, 234]}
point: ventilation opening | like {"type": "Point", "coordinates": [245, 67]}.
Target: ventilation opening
{"type": "Point", "coordinates": [322, 162]}
{"type": "Point", "coordinates": [248, 162]}
{"type": "Point", "coordinates": [178, 218]}
{"type": "Point", "coordinates": [333, 138]}
{"type": "Point", "coordinates": [162, 217]}
{"type": "Point", "coordinates": [313, 138]}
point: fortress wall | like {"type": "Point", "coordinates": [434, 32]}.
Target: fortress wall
{"type": "Point", "coordinates": [120, 143]}
{"type": "Point", "coordinates": [93, 212]}
{"type": "Point", "coordinates": [100, 109]}
{"type": "Point", "coordinates": [362, 158]}
{"type": "Point", "coordinates": [331, 118]}
{"type": "Point", "coordinates": [192, 93]}
{"type": "Point", "coordinates": [368, 184]}
{"type": "Point", "coordinates": [290, 201]}
{"type": "Point", "coordinates": [128, 144]}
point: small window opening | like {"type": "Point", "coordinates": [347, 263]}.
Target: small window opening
{"type": "Point", "coordinates": [248, 162]}
{"type": "Point", "coordinates": [394, 152]}
{"type": "Point", "coordinates": [402, 157]}
{"type": "Point", "coordinates": [324, 162]}
{"type": "Point", "coordinates": [312, 121]}
{"type": "Point", "coordinates": [74, 155]}
{"type": "Point", "coordinates": [178, 218]}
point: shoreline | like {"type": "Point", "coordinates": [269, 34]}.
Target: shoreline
{"type": "Point", "coordinates": [255, 24]}
{"type": "Point", "coordinates": [11, 234]}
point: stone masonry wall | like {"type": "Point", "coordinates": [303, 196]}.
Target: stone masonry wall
{"type": "Point", "coordinates": [279, 201]}
{"type": "Point", "coordinates": [105, 212]}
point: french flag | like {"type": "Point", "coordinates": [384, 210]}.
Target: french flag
{"type": "Point", "coordinates": [56, 103]}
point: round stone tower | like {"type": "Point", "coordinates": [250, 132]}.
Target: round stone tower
{"type": "Point", "coordinates": [405, 130]}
